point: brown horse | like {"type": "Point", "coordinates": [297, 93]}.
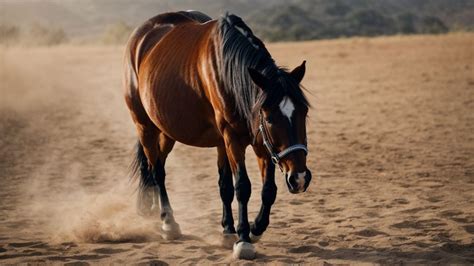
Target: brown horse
{"type": "Point", "coordinates": [212, 83]}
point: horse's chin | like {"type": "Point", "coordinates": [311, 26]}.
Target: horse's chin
{"type": "Point", "coordinates": [296, 191]}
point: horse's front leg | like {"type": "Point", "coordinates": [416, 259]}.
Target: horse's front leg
{"type": "Point", "coordinates": [269, 192]}
{"type": "Point", "coordinates": [226, 191]}
{"type": "Point", "coordinates": [243, 249]}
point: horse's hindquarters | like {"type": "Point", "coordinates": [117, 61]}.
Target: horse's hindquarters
{"type": "Point", "coordinates": [171, 91]}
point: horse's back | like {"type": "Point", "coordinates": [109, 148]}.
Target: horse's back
{"type": "Point", "coordinates": [152, 31]}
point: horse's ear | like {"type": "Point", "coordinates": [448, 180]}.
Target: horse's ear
{"type": "Point", "coordinates": [298, 72]}
{"type": "Point", "coordinates": [260, 80]}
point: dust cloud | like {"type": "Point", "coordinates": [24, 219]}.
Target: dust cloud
{"type": "Point", "coordinates": [54, 198]}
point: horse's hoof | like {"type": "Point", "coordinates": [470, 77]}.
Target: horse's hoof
{"type": "Point", "coordinates": [228, 240]}
{"type": "Point", "coordinates": [254, 238]}
{"type": "Point", "coordinates": [171, 231]}
{"type": "Point", "coordinates": [244, 251]}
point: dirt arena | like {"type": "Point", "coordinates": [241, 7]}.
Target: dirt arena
{"type": "Point", "coordinates": [391, 139]}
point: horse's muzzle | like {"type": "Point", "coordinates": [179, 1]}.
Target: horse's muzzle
{"type": "Point", "coordinates": [298, 182]}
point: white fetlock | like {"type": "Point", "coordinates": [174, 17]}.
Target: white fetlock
{"type": "Point", "coordinates": [171, 231]}
{"type": "Point", "coordinates": [254, 238]}
{"type": "Point", "coordinates": [244, 251]}
{"type": "Point", "coordinates": [228, 240]}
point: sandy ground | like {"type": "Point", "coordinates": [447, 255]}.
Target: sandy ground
{"type": "Point", "coordinates": [391, 145]}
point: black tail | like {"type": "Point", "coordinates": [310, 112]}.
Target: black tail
{"type": "Point", "coordinates": [141, 169]}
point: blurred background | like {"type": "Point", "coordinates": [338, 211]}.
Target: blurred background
{"type": "Point", "coordinates": [49, 22]}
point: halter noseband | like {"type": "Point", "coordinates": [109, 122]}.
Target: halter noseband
{"type": "Point", "coordinates": [276, 157]}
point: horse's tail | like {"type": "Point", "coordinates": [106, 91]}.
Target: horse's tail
{"type": "Point", "coordinates": [147, 198]}
{"type": "Point", "coordinates": [140, 169]}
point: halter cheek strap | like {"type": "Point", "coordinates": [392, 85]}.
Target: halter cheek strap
{"type": "Point", "coordinates": [276, 157]}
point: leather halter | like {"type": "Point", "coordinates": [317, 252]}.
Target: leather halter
{"type": "Point", "coordinates": [276, 156]}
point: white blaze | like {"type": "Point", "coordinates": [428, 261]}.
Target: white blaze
{"type": "Point", "coordinates": [287, 107]}
{"type": "Point", "coordinates": [301, 181]}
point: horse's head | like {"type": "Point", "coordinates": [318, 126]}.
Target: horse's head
{"type": "Point", "coordinates": [280, 124]}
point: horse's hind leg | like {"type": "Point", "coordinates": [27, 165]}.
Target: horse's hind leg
{"type": "Point", "coordinates": [170, 228]}
{"type": "Point", "coordinates": [226, 189]}
{"type": "Point", "coordinates": [156, 147]}
{"type": "Point", "coordinates": [147, 199]}
{"type": "Point", "coordinates": [145, 162]}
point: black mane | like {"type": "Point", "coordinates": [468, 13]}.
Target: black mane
{"type": "Point", "coordinates": [242, 50]}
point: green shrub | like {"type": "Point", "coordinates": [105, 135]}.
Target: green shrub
{"type": "Point", "coordinates": [433, 25]}
{"type": "Point", "coordinates": [406, 23]}
{"type": "Point", "coordinates": [369, 22]}
{"type": "Point", "coordinates": [337, 9]}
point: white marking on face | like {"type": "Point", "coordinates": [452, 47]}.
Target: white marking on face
{"type": "Point", "coordinates": [287, 108]}
{"type": "Point", "coordinates": [301, 181]}
{"type": "Point", "coordinates": [288, 175]}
